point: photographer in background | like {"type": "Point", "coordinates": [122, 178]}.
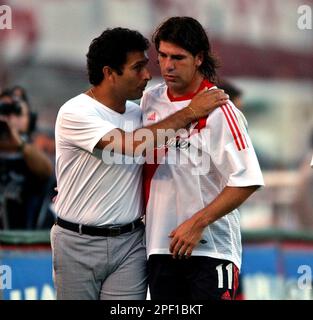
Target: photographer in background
{"type": "Point", "coordinates": [24, 170]}
{"type": "Point", "coordinates": [19, 94]}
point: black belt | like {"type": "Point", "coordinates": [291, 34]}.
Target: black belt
{"type": "Point", "coordinates": [99, 231]}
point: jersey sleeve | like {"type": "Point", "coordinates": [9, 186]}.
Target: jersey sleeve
{"type": "Point", "coordinates": [83, 130]}
{"type": "Point", "coordinates": [231, 148]}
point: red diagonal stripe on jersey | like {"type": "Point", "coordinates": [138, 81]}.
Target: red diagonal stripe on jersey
{"type": "Point", "coordinates": [231, 127]}
{"type": "Point", "coordinates": [236, 122]}
{"type": "Point", "coordinates": [200, 125]}
{"type": "Point", "coordinates": [149, 170]}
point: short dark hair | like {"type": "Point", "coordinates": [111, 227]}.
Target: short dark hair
{"type": "Point", "coordinates": [189, 34]}
{"type": "Point", "coordinates": [111, 49]}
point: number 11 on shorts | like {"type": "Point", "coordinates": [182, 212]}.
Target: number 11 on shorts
{"type": "Point", "coordinates": [220, 277]}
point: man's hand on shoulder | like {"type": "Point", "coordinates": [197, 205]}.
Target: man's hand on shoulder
{"type": "Point", "coordinates": [205, 101]}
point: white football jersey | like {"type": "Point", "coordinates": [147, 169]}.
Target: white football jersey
{"type": "Point", "coordinates": [191, 172]}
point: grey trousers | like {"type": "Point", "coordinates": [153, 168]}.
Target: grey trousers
{"type": "Point", "coordinates": [92, 267]}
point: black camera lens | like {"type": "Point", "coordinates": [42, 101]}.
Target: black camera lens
{"type": "Point", "coordinates": [7, 109]}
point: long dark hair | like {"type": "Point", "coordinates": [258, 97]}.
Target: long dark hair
{"type": "Point", "coordinates": [189, 34]}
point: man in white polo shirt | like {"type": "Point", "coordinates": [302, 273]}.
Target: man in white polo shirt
{"type": "Point", "coordinates": [200, 178]}
{"type": "Point", "coordinates": [97, 241]}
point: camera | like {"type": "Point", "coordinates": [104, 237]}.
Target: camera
{"type": "Point", "coordinates": [7, 109]}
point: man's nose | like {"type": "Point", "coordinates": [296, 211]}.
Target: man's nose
{"type": "Point", "coordinates": [147, 75]}
{"type": "Point", "coordinates": [169, 64]}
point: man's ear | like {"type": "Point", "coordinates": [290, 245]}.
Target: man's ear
{"type": "Point", "coordinates": [107, 72]}
{"type": "Point", "coordinates": [199, 59]}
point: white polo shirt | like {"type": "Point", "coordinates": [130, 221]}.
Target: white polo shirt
{"type": "Point", "coordinates": [91, 191]}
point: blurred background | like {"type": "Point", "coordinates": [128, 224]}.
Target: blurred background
{"type": "Point", "coordinates": [267, 68]}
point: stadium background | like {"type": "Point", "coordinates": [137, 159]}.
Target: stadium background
{"type": "Point", "coordinates": [263, 52]}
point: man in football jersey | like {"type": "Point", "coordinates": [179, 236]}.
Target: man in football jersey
{"type": "Point", "coordinates": [194, 188]}
{"type": "Point", "coordinates": [97, 241]}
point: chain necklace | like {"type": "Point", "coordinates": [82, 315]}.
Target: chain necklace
{"type": "Point", "coordinates": [93, 95]}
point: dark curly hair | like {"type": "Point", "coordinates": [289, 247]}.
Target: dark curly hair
{"type": "Point", "coordinates": [188, 33]}
{"type": "Point", "coordinates": [111, 49]}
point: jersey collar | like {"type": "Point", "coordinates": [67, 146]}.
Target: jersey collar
{"type": "Point", "coordinates": [189, 96]}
